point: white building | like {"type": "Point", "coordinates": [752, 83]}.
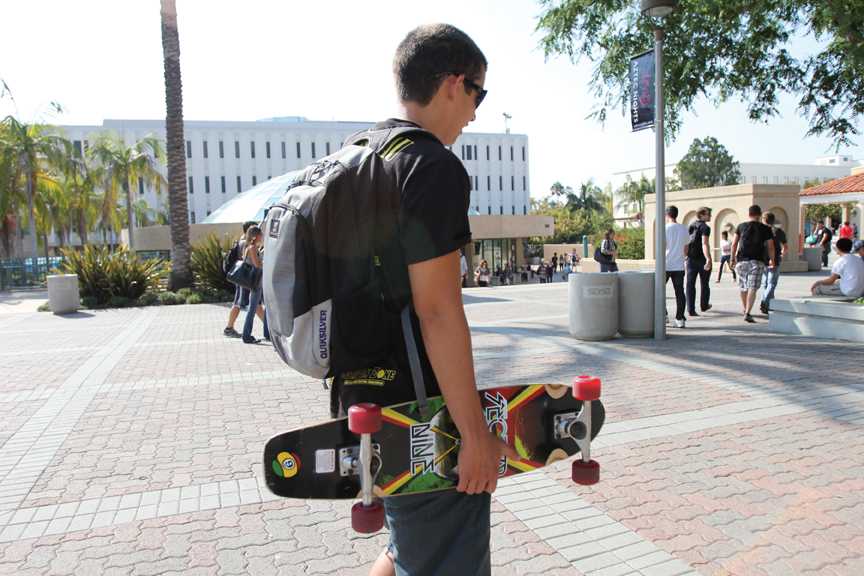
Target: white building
{"type": "Point", "coordinates": [822, 170]}
{"type": "Point", "coordinates": [224, 159]}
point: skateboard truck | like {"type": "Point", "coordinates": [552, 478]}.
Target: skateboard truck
{"type": "Point", "coordinates": [367, 516]}
{"type": "Point", "coordinates": [585, 471]}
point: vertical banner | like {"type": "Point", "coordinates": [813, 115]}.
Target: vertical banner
{"type": "Point", "coordinates": [642, 103]}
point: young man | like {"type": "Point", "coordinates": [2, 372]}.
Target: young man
{"type": "Point", "coordinates": [848, 269]}
{"type": "Point", "coordinates": [241, 295]}
{"type": "Point", "coordinates": [772, 276]}
{"type": "Point", "coordinates": [846, 231]}
{"type": "Point", "coordinates": [699, 263]}
{"type": "Point", "coordinates": [677, 239]}
{"type": "Point", "coordinates": [823, 240]}
{"type": "Point", "coordinates": [752, 246]}
{"type": "Point", "coordinates": [439, 73]}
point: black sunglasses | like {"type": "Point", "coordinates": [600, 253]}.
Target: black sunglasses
{"type": "Point", "coordinates": [481, 93]}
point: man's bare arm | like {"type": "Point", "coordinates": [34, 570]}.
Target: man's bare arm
{"type": "Point", "coordinates": [437, 298]}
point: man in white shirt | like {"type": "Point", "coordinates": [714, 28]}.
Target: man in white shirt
{"type": "Point", "coordinates": [677, 238]}
{"type": "Point", "coordinates": [847, 274]}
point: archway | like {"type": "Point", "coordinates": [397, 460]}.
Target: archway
{"type": "Point", "coordinates": [781, 219]}
{"type": "Point", "coordinates": [727, 220]}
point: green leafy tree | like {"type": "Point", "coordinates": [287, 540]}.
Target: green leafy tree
{"type": "Point", "coordinates": [723, 49]}
{"type": "Point", "coordinates": [707, 163]}
{"type": "Point", "coordinates": [632, 194]}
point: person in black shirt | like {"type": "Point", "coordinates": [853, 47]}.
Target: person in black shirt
{"type": "Point", "coordinates": [439, 73]}
{"type": "Point", "coordinates": [772, 275]}
{"type": "Point", "coordinates": [823, 240]}
{"type": "Point", "coordinates": [752, 247]}
{"type": "Point", "coordinates": [699, 263]}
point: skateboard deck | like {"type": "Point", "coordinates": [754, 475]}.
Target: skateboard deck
{"type": "Point", "coordinates": [414, 454]}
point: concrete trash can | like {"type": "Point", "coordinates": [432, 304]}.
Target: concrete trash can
{"type": "Point", "coordinates": [593, 300]}
{"type": "Point", "coordinates": [63, 294]}
{"type": "Point", "coordinates": [813, 256]}
{"type": "Point", "coordinates": [636, 304]}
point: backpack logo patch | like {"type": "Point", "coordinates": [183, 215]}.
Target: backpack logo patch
{"type": "Point", "coordinates": [273, 228]}
{"type": "Point", "coordinates": [323, 339]}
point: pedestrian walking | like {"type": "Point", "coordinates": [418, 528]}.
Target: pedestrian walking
{"type": "Point", "coordinates": [823, 240]}
{"type": "Point", "coordinates": [772, 275]}
{"type": "Point", "coordinates": [677, 239]}
{"type": "Point", "coordinates": [254, 241]}
{"type": "Point", "coordinates": [699, 262]}
{"type": "Point", "coordinates": [752, 246]}
{"type": "Point", "coordinates": [241, 295]}
{"type": "Point", "coordinates": [482, 275]}
{"type": "Point", "coordinates": [725, 256]}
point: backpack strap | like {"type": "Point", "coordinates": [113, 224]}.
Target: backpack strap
{"type": "Point", "coordinates": [378, 139]}
{"type": "Point", "coordinates": [414, 362]}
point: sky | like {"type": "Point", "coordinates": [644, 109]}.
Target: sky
{"type": "Point", "coordinates": [330, 60]}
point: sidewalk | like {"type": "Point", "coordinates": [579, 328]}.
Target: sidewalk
{"type": "Point", "coordinates": [130, 443]}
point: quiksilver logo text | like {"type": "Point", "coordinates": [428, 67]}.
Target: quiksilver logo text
{"type": "Point", "coordinates": [323, 345]}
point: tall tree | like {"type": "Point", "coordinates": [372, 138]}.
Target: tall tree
{"type": "Point", "coordinates": [707, 163]}
{"type": "Point", "coordinates": [33, 148]}
{"type": "Point", "coordinates": [722, 49]}
{"type": "Point", "coordinates": [124, 166]}
{"type": "Point", "coordinates": [181, 270]}
{"type": "Point", "coordinates": [632, 194]}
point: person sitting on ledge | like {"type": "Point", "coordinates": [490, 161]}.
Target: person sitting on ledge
{"type": "Point", "coordinates": [848, 269]}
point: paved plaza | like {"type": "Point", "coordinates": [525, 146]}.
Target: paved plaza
{"type": "Point", "coordinates": [130, 444]}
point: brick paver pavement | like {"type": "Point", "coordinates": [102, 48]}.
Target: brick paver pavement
{"type": "Point", "coordinates": [130, 443]}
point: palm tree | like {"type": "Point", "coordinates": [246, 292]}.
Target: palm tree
{"type": "Point", "coordinates": [590, 197]}
{"type": "Point", "coordinates": [181, 270]}
{"type": "Point", "coordinates": [125, 165]}
{"type": "Point", "coordinates": [11, 196]}
{"type": "Point", "coordinates": [33, 147]}
{"type": "Point", "coordinates": [81, 178]}
{"type": "Point", "coordinates": [633, 194]}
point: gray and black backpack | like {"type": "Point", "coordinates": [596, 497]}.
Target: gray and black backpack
{"type": "Point", "coordinates": [334, 279]}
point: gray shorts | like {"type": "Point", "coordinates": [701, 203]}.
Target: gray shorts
{"type": "Point", "coordinates": [749, 274]}
{"type": "Point", "coordinates": [440, 533]}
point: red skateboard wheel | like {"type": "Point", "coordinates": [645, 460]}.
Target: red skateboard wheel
{"type": "Point", "coordinates": [586, 473]}
{"type": "Point", "coordinates": [367, 519]}
{"type": "Point", "coordinates": [364, 418]}
{"type": "Point", "coordinates": [586, 388]}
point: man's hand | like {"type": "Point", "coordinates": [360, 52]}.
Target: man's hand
{"type": "Point", "coordinates": [813, 288]}
{"type": "Point", "coordinates": [771, 264]}
{"type": "Point", "coordinates": [478, 463]}
{"type": "Point", "coordinates": [708, 265]}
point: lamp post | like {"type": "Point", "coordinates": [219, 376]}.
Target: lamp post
{"type": "Point", "coordinates": [659, 9]}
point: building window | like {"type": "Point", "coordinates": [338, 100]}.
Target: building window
{"type": "Point", "coordinates": [140, 185]}
{"type": "Point", "coordinates": [221, 149]}
{"type": "Point", "coordinates": [206, 184]}
{"type": "Point", "coordinates": [328, 148]}
{"type": "Point", "coordinates": [191, 188]}
{"type": "Point", "coordinates": [469, 152]}
{"type": "Point", "coordinates": [523, 153]}
{"type": "Point", "coordinates": [501, 210]}
{"type": "Point", "coordinates": [524, 183]}
{"type": "Point", "coordinates": [192, 217]}
{"type": "Point", "coordinates": [223, 184]}
{"type": "Point", "coordinates": [239, 185]}
{"type": "Point", "coordinates": [252, 149]}
{"type": "Point", "coordinates": [489, 210]}
{"type": "Point", "coordinates": [313, 150]}
{"type": "Point", "coordinates": [476, 185]}
{"type": "Point", "coordinates": [511, 154]}
{"type": "Point", "coordinates": [236, 149]}
{"type": "Point", "coordinates": [500, 183]}
{"type": "Point", "coordinates": [514, 210]}
{"type": "Point", "coordinates": [283, 151]}
{"type": "Point", "coordinates": [499, 153]}
{"type": "Point", "coordinates": [298, 150]}
{"type": "Point", "coordinates": [476, 156]}
{"type": "Point", "coordinates": [488, 183]}
{"type": "Point", "coordinates": [463, 152]}
{"type": "Point", "coordinates": [204, 148]}
{"type": "Point", "coordinates": [487, 152]}
{"type": "Point", "coordinates": [512, 183]}
{"type": "Point", "coordinates": [188, 148]}
{"type": "Point", "coordinates": [208, 212]}
{"type": "Point", "coordinates": [524, 210]}
{"type": "Point", "coordinates": [267, 149]}
{"type": "Point", "coordinates": [254, 181]}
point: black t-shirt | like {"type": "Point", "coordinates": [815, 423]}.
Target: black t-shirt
{"type": "Point", "coordinates": [820, 238]}
{"type": "Point", "coordinates": [697, 231]}
{"type": "Point", "coordinates": [435, 193]}
{"type": "Point", "coordinates": [752, 237]}
{"type": "Point", "coordinates": [779, 240]}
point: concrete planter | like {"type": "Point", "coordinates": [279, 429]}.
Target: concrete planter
{"type": "Point", "coordinates": [813, 257]}
{"type": "Point", "coordinates": [593, 300]}
{"type": "Point", "coordinates": [636, 304]}
{"type": "Point", "coordinates": [836, 319]}
{"type": "Point", "coordinates": [63, 296]}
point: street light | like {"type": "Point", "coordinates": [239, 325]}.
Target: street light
{"type": "Point", "coordinates": [659, 9]}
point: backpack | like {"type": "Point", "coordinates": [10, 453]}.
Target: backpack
{"type": "Point", "coordinates": [230, 257]}
{"type": "Point", "coordinates": [334, 279]}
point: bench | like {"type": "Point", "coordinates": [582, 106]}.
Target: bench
{"type": "Point", "coordinates": [818, 316]}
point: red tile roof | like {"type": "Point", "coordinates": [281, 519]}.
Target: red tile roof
{"type": "Point", "coordinates": [854, 183]}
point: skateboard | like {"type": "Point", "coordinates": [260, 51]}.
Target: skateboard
{"type": "Point", "coordinates": [380, 452]}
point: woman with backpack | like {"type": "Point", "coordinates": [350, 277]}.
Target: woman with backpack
{"type": "Point", "coordinates": [609, 249]}
{"type": "Point", "coordinates": [254, 241]}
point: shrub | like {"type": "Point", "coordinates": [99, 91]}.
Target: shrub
{"type": "Point", "coordinates": [148, 299]}
{"type": "Point", "coordinates": [207, 264]}
{"type": "Point", "coordinates": [170, 298]}
{"type": "Point", "coordinates": [119, 302]}
{"type": "Point", "coordinates": [194, 299]}
{"type": "Point", "coordinates": [103, 274]}
{"type": "Point", "coordinates": [89, 301]}
{"type": "Point", "coordinates": [185, 292]}
{"type": "Point", "coordinates": [631, 243]}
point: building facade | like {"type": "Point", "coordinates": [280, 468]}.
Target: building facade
{"type": "Point", "coordinates": [224, 159]}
